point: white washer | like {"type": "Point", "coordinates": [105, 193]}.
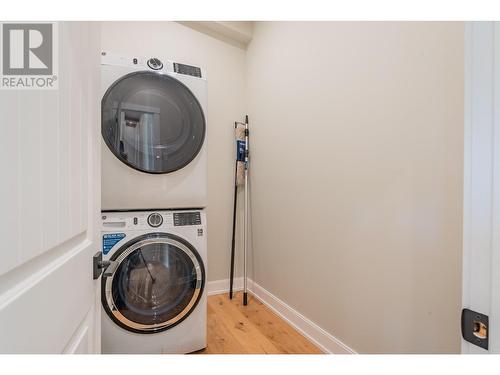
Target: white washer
{"type": "Point", "coordinates": [153, 126]}
{"type": "Point", "coordinates": [155, 300]}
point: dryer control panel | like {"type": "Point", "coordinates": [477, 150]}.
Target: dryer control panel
{"type": "Point", "coordinates": [162, 64]}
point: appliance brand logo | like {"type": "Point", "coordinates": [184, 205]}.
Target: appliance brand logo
{"type": "Point", "coordinates": [29, 56]}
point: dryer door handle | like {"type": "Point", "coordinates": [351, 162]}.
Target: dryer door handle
{"type": "Point", "coordinates": [111, 267]}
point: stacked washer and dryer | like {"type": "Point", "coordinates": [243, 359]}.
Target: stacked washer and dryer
{"type": "Point", "coordinates": [154, 189]}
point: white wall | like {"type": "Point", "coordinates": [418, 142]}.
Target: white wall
{"type": "Point", "coordinates": [225, 65]}
{"type": "Point", "coordinates": [357, 135]}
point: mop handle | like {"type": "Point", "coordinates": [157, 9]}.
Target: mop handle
{"type": "Point", "coordinates": [231, 272]}
{"type": "Point", "coordinates": [245, 248]}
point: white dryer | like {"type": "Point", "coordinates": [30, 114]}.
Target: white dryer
{"type": "Point", "coordinates": [153, 125]}
{"type": "Point", "coordinates": [154, 300]}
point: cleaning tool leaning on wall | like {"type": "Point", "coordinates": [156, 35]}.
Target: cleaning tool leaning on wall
{"type": "Point", "coordinates": [240, 179]}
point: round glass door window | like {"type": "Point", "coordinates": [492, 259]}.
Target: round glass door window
{"type": "Point", "coordinates": [158, 283]}
{"type": "Point", "coordinates": [152, 122]}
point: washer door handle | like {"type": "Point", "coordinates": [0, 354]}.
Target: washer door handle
{"type": "Point", "coordinates": [109, 266]}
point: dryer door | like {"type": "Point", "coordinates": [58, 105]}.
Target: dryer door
{"type": "Point", "coordinates": [158, 282]}
{"type": "Point", "coordinates": [152, 122]}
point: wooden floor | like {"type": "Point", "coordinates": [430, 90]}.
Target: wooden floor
{"type": "Point", "coordinates": [252, 329]}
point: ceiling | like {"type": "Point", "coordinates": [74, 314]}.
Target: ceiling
{"type": "Point", "coordinates": [237, 33]}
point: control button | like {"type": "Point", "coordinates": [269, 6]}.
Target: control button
{"type": "Point", "coordinates": [155, 64]}
{"type": "Point", "coordinates": [155, 220]}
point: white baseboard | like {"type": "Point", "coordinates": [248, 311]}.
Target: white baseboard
{"type": "Point", "coordinates": [324, 340]}
{"type": "Point", "coordinates": [222, 286]}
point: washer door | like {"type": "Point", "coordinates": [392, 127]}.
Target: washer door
{"type": "Point", "coordinates": [152, 122]}
{"type": "Point", "coordinates": [158, 283]}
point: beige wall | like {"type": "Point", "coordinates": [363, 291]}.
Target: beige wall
{"type": "Point", "coordinates": [357, 134]}
{"type": "Point", "coordinates": [225, 65]}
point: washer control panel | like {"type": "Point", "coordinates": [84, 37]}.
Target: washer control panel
{"type": "Point", "coordinates": [150, 220]}
{"type": "Point", "coordinates": [187, 218]}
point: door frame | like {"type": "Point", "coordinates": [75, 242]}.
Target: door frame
{"type": "Point", "coordinates": [481, 209]}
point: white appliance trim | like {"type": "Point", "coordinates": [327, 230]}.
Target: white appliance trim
{"type": "Point", "coordinates": [317, 335]}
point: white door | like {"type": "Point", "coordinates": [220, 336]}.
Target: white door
{"type": "Point", "coordinates": [50, 203]}
{"type": "Point", "coordinates": [481, 262]}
